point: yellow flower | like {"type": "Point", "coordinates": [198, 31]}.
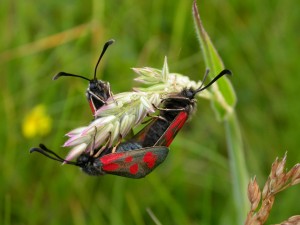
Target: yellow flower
{"type": "Point", "coordinates": [36, 122]}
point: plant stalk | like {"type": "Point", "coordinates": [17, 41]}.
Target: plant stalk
{"type": "Point", "coordinates": [237, 166]}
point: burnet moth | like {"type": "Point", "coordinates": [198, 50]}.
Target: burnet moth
{"type": "Point", "coordinates": [175, 111]}
{"type": "Point", "coordinates": [129, 160]}
{"type": "Point", "coordinates": [98, 91]}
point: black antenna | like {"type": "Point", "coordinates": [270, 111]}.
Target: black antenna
{"type": "Point", "coordinates": [64, 74]}
{"type": "Point", "coordinates": [221, 74]}
{"type": "Point", "coordinates": [108, 43]}
{"type": "Point", "coordinates": [51, 154]}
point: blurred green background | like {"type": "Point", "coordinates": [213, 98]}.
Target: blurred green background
{"type": "Point", "coordinates": [258, 40]}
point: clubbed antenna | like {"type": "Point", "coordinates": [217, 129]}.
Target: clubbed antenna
{"type": "Point", "coordinates": [64, 74]}
{"type": "Point", "coordinates": [51, 154]}
{"type": "Point", "coordinates": [108, 43]}
{"type": "Point", "coordinates": [221, 74]}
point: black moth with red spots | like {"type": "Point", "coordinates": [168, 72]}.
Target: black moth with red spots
{"type": "Point", "coordinates": [130, 160]}
{"type": "Point", "coordinates": [175, 111]}
{"type": "Point", "coordinates": [98, 91]}
{"type": "Point", "coordinates": [133, 164]}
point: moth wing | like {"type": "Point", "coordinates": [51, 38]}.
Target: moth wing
{"type": "Point", "coordinates": [134, 163]}
{"type": "Point", "coordinates": [171, 132]}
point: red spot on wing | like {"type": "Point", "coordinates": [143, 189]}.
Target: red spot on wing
{"type": "Point", "coordinates": [128, 159]}
{"type": "Point", "coordinates": [106, 159]}
{"type": "Point", "coordinates": [110, 167]}
{"type": "Point", "coordinates": [134, 168]}
{"type": "Point", "coordinates": [173, 129]}
{"type": "Point", "coordinates": [150, 159]}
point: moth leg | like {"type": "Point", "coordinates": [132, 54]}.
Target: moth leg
{"type": "Point", "coordinates": [153, 117]}
{"type": "Point", "coordinates": [176, 97]}
{"type": "Point", "coordinates": [111, 94]}
{"type": "Point", "coordinates": [174, 110]}
{"type": "Point", "coordinates": [97, 97]}
{"type": "Point", "coordinates": [115, 147]}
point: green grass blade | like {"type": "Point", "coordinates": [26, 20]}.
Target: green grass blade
{"type": "Point", "coordinates": [223, 103]}
{"type": "Point", "coordinates": [224, 98]}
